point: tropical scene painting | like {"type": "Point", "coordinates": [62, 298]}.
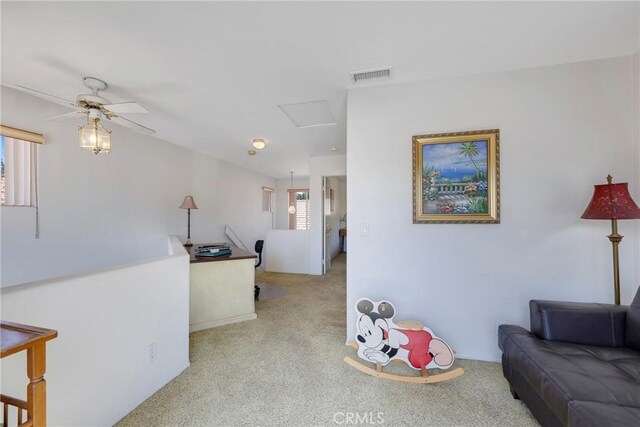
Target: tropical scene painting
{"type": "Point", "coordinates": [455, 177]}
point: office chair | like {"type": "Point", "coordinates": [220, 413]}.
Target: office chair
{"type": "Point", "coordinates": [258, 249]}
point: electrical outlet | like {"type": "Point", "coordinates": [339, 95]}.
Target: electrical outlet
{"type": "Point", "coordinates": [152, 352]}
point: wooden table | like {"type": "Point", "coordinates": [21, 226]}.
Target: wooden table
{"type": "Point", "coordinates": [221, 288]}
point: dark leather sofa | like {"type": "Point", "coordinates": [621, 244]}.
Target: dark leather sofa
{"type": "Point", "coordinates": [579, 365]}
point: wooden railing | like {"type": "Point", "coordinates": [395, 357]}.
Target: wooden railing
{"type": "Point", "coordinates": [14, 339]}
{"type": "Point", "coordinates": [20, 406]}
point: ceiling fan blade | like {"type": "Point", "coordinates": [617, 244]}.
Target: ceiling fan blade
{"type": "Point", "coordinates": [52, 98]}
{"type": "Point", "coordinates": [126, 108]}
{"type": "Point", "coordinates": [69, 116]}
{"type": "Point", "coordinates": [132, 125]}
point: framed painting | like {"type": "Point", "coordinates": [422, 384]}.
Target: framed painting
{"type": "Point", "coordinates": [456, 178]}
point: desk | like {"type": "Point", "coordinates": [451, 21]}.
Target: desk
{"type": "Point", "coordinates": [221, 289]}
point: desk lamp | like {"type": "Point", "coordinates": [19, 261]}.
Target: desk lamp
{"type": "Point", "coordinates": [188, 204]}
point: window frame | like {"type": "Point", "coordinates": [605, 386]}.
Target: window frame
{"type": "Point", "coordinates": [293, 217]}
{"type": "Point", "coordinates": [267, 199]}
{"type": "Point", "coordinates": [32, 138]}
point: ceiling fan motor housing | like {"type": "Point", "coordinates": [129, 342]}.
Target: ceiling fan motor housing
{"type": "Point", "coordinates": [91, 101]}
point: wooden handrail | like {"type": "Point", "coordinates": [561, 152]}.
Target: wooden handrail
{"type": "Point", "coordinates": [18, 403]}
{"type": "Point", "coordinates": [15, 338]}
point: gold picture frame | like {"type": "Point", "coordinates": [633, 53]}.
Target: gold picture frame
{"type": "Point", "coordinates": [456, 178]}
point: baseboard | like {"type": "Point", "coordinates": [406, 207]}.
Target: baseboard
{"type": "Point", "coordinates": [477, 358]}
{"type": "Point", "coordinates": [222, 322]}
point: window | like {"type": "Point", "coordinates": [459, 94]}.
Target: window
{"type": "Point", "coordinates": [267, 199]}
{"type": "Point", "coordinates": [300, 219]}
{"type": "Point", "coordinates": [18, 167]}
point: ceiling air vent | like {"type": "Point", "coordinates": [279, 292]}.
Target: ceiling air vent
{"type": "Point", "coordinates": [365, 76]}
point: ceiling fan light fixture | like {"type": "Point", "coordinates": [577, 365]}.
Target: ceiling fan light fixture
{"type": "Point", "coordinates": [94, 137]}
{"type": "Point", "coordinates": [258, 143]}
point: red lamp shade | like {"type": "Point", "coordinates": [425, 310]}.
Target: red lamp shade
{"type": "Point", "coordinates": [611, 201]}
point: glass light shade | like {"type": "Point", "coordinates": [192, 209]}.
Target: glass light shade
{"type": "Point", "coordinates": [258, 144]}
{"type": "Point", "coordinates": [93, 137]}
{"type": "Point", "coordinates": [292, 206]}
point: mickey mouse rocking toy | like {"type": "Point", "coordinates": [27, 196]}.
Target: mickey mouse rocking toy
{"type": "Point", "coordinates": [380, 341]}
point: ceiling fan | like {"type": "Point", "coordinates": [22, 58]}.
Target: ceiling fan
{"type": "Point", "coordinates": [93, 106]}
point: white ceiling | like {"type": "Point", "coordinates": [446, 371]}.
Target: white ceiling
{"type": "Point", "coordinates": [213, 74]}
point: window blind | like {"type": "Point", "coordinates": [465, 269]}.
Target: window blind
{"type": "Point", "coordinates": [19, 173]}
{"type": "Point", "coordinates": [300, 219]}
{"type": "Point", "coordinates": [267, 195]}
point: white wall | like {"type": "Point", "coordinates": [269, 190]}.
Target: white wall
{"type": "Point", "coordinates": [319, 167]}
{"type": "Point", "coordinates": [282, 199]}
{"type": "Point", "coordinates": [563, 129]}
{"type": "Point", "coordinates": [105, 210]}
{"type": "Point", "coordinates": [287, 251]}
{"type": "Point", "coordinates": [97, 369]}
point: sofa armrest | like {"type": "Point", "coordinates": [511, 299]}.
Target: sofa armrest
{"type": "Point", "coordinates": [506, 332]}
{"type": "Point", "coordinates": [578, 323]}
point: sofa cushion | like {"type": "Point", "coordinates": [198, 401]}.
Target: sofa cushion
{"type": "Point", "coordinates": [632, 338]}
{"type": "Point", "coordinates": [561, 372]}
{"type": "Point", "coordinates": [579, 322]}
{"type": "Point", "coordinates": [596, 414]}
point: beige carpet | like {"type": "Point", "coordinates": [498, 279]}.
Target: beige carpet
{"type": "Point", "coordinates": [286, 368]}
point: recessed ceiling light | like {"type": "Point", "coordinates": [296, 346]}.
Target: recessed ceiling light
{"type": "Point", "coordinates": [251, 152]}
{"type": "Point", "coordinates": [258, 143]}
{"type": "Point", "coordinates": [309, 114]}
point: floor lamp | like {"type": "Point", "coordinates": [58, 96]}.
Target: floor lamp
{"type": "Point", "coordinates": [188, 204]}
{"type": "Point", "coordinates": [612, 202]}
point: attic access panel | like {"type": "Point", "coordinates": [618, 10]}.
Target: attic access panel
{"type": "Point", "coordinates": [309, 114]}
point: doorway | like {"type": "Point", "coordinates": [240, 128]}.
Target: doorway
{"type": "Point", "coordinates": [334, 218]}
